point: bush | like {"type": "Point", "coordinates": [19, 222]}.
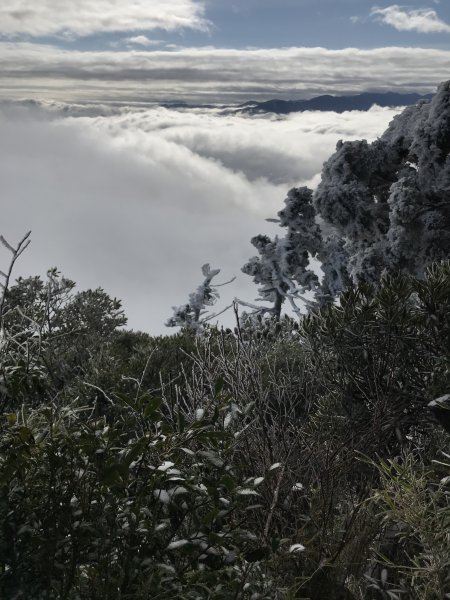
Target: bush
{"type": "Point", "coordinates": [413, 500]}
{"type": "Point", "coordinates": [124, 506]}
{"type": "Point", "coordinates": [188, 466]}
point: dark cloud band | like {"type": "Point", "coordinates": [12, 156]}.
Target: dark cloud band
{"type": "Point", "coordinates": [211, 73]}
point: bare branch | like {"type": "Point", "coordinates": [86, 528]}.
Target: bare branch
{"type": "Point", "coordinates": [16, 252]}
{"type": "Point", "coordinates": [8, 246]}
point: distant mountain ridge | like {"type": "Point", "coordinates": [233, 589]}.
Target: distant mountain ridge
{"type": "Point", "coordinates": [334, 103]}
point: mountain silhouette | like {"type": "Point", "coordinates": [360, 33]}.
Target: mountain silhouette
{"type": "Point", "coordinates": [333, 103]}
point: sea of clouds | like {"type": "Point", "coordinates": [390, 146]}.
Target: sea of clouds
{"type": "Point", "coordinates": [135, 199]}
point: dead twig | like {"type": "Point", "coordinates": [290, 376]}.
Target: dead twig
{"type": "Point", "coordinates": [16, 252]}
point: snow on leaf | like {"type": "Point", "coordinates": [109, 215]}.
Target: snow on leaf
{"type": "Point", "coordinates": [297, 548]}
{"type": "Point", "coordinates": [275, 466]}
{"type": "Point", "coordinates": [227, 420]}
{"type": "Point", "coordinates": [199, 414]}
{"type": "Point", "coordinates": [247, 492]}
{"type": "Point", "coordinates": [166, 465]}
{"type": "Point", "coordinates": [177, 544]}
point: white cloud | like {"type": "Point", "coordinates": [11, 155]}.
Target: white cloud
{"type": "Point", "coordinates": [209, 74]}
{"type": "Point", "coordinates": [423, 20]}
{"type": "Point", "coordinates": [137, 201]}
{"type": "Point", "coordinates": [69, 18]}
{"type": "Point", "coordinates": [142, 40]}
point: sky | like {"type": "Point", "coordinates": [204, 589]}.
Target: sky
{"type": "Point", "coordinates": [123, 193]}
{"type": "Point", "coordinates": [219, 50]}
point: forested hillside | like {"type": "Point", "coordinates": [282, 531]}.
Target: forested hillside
{"type": "Point", "coordinates": [284, 458]}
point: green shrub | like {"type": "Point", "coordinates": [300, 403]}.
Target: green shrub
{"type": "Point", "coordinates": [413, 499]}
{"type": "Point", "coordinates": [129, 506]}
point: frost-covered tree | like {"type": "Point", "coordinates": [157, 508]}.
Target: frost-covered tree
{"type": "Point", "coordinates": [193, 315]}
{"type": "Point", "coordinates": [382, 207]}
{"type": "Point", "coordinates": [282, 268]}
{"type": "Point", "coordinates": [390, 200]}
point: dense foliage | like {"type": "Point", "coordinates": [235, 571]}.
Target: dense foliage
{"type": "Point", "coordinates": [278, 460]}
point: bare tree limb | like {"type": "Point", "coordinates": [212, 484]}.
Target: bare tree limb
{"type": "Point", "coordinates": [16, 252]}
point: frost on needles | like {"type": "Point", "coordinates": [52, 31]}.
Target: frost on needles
{"type": "Point", "coordinates": [193, 315]}
{"type": "Point", "coordinates": [380, 208]}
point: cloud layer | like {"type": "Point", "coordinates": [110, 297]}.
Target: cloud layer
{"type": "Point", "coordinates": [422, 20]}
{"type": "Point", "coordinates": [137, 201]}
{"type": "Point", "coordinates": [210, 74]}
{"type": "Point", "coordinates": [68, 18]}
